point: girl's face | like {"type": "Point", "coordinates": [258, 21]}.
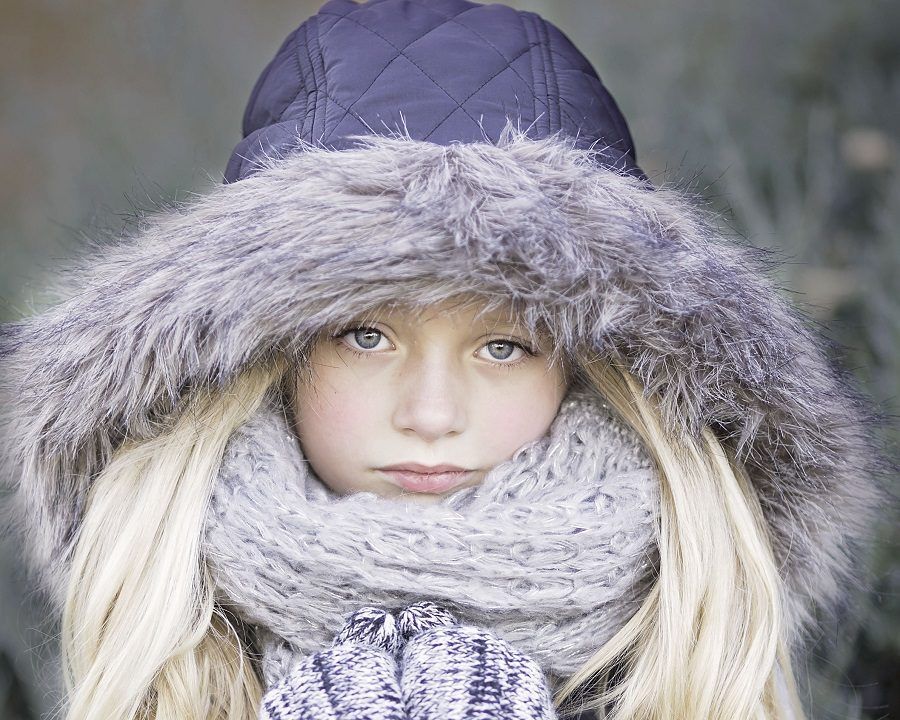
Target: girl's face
{"type": "Point", "coordinates": [432, 389]}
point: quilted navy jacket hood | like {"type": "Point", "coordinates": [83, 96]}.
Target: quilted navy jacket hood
{"type": "Point", "coordinates": [442, 71]}
{"type": "Point", "coordinates": [422, 149]}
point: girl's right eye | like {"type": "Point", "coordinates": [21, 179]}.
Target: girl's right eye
{"type": "Point", "coordinates": [366, 339]}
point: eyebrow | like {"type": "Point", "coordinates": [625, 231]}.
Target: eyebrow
{"type": "Point", "coordinates": [503, 324]}
{"type": "Point", "coordinates": [499, 315]}
{"type": "Point", "coordinates": [498, 320]}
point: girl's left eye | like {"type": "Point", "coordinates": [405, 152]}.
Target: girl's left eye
{"type": "Point", "coordinates": [506, 349]}
{"type": "Point", "coordinates": [367, 340]}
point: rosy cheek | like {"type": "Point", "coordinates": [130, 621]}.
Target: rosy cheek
{"type": "Point", "coordinates": [345, 416]}
{"type": "Point", "coordinates": [521, 414]}
{"type": "Point", "coordinates": [508, 423]}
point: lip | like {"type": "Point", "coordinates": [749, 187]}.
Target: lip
{"type": "Point", "coordinates": [419, 468]}
{"type": "Point", "coordinates": [437, 478]}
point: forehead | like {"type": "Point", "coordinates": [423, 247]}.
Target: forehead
{"type": "Point", "coordinates": [468, 309]}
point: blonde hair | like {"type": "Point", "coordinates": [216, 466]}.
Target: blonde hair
{"type": "Point", "coordinates": [709, 639]}
{"type": "Point", "coordinates": [143, 637]}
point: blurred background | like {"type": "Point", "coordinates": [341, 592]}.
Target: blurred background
{"type": "Point", "coordinates": [784, 114]}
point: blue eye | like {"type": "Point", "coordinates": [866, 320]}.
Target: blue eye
{"type": "Point", "coordinates": [506, 349]}
{"type": "Point", "coordinates": [366, 337]}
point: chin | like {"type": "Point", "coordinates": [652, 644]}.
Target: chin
{"type": "Point", "coordinates": [419, 498]}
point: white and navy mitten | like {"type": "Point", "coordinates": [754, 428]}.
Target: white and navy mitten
{"type": "Point", "coordinates": [354, 679]}
{"type": "Point", "coordinates": [450, 671]}
{"type": "Point", "coordinates": [447, 671]}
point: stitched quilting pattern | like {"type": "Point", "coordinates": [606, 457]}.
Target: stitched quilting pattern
{"type": "Point", "coordinates": [425, 66]}
{"type": "Point", "coordinates": [440, 70]}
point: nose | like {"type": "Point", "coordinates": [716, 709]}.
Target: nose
{"type": "Point", "coordinates": [430, 400]}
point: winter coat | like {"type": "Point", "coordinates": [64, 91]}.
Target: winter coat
{"type": "Point", "coordinates": [196, 294]}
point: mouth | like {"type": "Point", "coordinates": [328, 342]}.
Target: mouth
{"type": "Point", "coordinates": [427, 482]}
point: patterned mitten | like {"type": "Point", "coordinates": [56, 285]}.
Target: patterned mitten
{"type": "Point", "coordinates": [355, 679]}
{"type": "Point", "coordinates": [459, 672]}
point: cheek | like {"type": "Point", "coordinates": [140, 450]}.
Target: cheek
{"type": "Point", "coordinates": [511, 419]}
{"type": "Point", "coordinates": [332, 421]}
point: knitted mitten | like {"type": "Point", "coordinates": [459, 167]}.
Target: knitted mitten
{"type": "Point", "coordinates": [355, 679]}
{"type": "Point", "coordinates": [458, 672]}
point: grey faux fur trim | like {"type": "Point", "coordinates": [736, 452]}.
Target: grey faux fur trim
{"type": "Point", "coordinates": [199, 292]}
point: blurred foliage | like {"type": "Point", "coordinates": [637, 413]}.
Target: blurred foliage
{"type": "Point", "coordinates": [781, 113]}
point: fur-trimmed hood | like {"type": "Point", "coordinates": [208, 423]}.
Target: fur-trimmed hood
{"type": "Point", "coordinates": [568, 232]}
{"type": "Point", "coordinates": [199, 293]}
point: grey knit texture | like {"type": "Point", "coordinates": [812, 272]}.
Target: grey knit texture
{"type": "Point", "coordinates": [551, 551]}
{"type": "Point", "coordinates": [419, 664]}
{"type": "Point", "coordinates": [196, 294]}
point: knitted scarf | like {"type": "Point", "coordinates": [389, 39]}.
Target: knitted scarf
{"type": "Point", "coordinates": [541, 563]}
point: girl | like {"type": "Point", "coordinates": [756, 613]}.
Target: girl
{"type": "Point", "coordinates": [424, 415]}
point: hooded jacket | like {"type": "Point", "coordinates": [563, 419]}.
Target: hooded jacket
{"type": "Point", "coordinates": [379, 160]}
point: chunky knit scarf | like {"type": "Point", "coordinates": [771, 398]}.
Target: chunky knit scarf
{"type": "Point", "coordinates": [541, 563]}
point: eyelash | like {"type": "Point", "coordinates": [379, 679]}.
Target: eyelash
{"type": "Point", "coordinates": [529, 352]}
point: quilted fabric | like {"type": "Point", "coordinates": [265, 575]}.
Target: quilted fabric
{"type": "Point", "coordinates": [440, 70]}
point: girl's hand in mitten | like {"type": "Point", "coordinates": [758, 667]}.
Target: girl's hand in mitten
{"type": "Point", "coordinates": [355, 679]}
{"type": "Point", "coordinates": [459, 672]}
